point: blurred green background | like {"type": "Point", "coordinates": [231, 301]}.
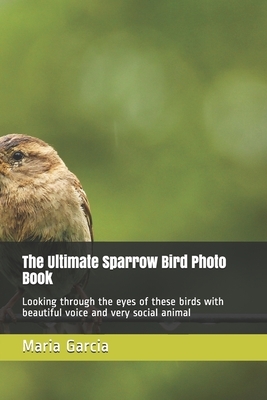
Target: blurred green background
{"type": "Point", "coordinates": [160, 108]}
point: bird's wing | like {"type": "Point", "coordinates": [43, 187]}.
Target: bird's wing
{"type": "Point", "coordinates": [85, 206]}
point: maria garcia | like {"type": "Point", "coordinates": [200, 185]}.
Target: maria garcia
{"type": "Point", "coordinates": [31, 346]}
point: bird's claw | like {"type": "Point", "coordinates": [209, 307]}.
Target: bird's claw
{"type": "Point", "coordinates": [4, 311]}
{"type": "Point", "coordinates": [94, 326]}
{"type": "Point", "coordinates": [4, 326]}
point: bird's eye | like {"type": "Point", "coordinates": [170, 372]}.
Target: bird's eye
{"type": "Point", "coordinates": [17, 156]}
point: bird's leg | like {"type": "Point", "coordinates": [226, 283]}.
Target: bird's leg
{"type": "Point", "coordinates": [89, 327]}
{"type": "Point", "coordinates": [7, 310]}
{"type": "Point", "coordinates": [80, 291]}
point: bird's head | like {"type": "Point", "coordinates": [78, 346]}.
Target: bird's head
{"type": "Point", "coordinates": [24, 157]}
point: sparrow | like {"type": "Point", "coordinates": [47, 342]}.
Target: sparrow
{"type": "Point", "coordinates": [40, 201]}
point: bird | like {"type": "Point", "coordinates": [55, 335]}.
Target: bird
{"type": "Point", "coordinates": [40, 201]}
